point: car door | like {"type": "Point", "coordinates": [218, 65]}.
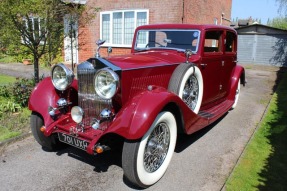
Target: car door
{"type": "Point", "coordinates": [211, 65]}
{"type": "Point", "coordinates": [228, 62]}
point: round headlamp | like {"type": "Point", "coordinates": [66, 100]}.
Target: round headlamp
{"type": "Point", "coordinates": [77, 114]}
{"type": "Point", "coordinates": [106, 83]}
{"type": "Point", "coordinates": [62, 77]}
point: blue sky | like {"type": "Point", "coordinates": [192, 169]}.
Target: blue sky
{"type": "Point", "coordinates": [261, 9]}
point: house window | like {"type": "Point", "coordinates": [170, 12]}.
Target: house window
{"type": "Point", "coordinates": [35, 26]}
{"type": "Point", "coordinates": [117, 27]}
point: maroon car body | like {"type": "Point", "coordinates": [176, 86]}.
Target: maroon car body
{"type": "Point", "coordinates": [185, 72]}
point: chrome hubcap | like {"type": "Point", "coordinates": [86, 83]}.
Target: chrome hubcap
{"type": "Point", "coordinates": [190, 92]}
{"type": "Point", "coordinates": [156, 148]}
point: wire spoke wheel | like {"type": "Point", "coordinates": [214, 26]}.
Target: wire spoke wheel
{"type": "Point", "coordinates": [145, 161]}
{"type": "Point", "coordinates": [156, 148]}
{"type": "Point", "coordinates": [191, 92]}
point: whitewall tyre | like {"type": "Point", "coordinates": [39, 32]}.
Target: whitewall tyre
{"type": "Point", "coordinates": [145, 161]}
{"type": "Point", "coordinates": [236, 95]}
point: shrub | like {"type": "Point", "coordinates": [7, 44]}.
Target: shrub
{"type": "Point", "coordinates": [22, 89]}
{"type": "Point", "coordinates": [10, 106]}
{"type": "Point", "coordinates": [5, 91]}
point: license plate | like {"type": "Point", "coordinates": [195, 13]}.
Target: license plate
{"type": "Point", "coordinates": [81, 144]}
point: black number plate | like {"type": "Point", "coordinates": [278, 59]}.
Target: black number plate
{"type": "Point", "coordinates": [81, 144]}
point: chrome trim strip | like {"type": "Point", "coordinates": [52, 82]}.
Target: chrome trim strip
{"type": "Point", "coordinates": [109, 64]}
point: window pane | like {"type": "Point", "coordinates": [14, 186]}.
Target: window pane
{"type": "Point", "coordinates": [141, 18]}
{"type": "Point", "coordinates": [106, 27]}
{"type": "Point", "coordinates": [129, 21]}
{"type": "Point", "coordinates": [42, 27]}
{"type": "Point", "coordinates": [117, 28]}
{"type": "Point", "coordinates": [212, 41]}
{"type": "Point", "coordinates": [142, 39]}
{"type": "Point", "coordinates": [36, 29]}
{"type": "Point", "coordinates": [230, 39]}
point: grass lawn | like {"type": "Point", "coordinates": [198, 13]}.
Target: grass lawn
{"type": "Point", "coordinates": [5, 80]}
{"type": "Point", "coordinates": [7, 134]}
{"type": "Point", "coordinates": [263, 165]}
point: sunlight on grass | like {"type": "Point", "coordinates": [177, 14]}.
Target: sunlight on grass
{"type": "Point", "coordinates": [263, 164]}
{"type": "Point", "coordinates": [5, 80]}
{"type": "Point", "coordinates": [7, 134]}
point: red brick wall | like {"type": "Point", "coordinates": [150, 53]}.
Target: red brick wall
{"type": "Point", "coordinates": [204, 12]}
{"type": "Point", "coordinates": [160, 11]}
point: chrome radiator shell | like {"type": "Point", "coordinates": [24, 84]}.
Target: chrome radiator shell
{"type": "Point", "coordinates": [88, 100]}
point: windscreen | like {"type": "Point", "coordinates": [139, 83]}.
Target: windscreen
{"type": "Point", "coordinates": [169, 39]}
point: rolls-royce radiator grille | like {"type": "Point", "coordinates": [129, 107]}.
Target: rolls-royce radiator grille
{"type": "Point", "coordinates": [88, 100]}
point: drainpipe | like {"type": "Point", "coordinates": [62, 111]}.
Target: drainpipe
{"type": "Point", "coordinates": [182, 12]}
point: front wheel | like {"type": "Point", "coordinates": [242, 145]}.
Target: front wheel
{"type": "Point", "coordinates": [145, 161]}
{"type": "Point", "coordinates": [48, 143]}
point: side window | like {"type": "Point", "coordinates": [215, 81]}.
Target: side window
{"type": "Point", "coordinates": [213, 42]}
{"type": "Point", "coordinates": [230, 42]}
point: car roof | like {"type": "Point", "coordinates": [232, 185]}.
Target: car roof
{"type": "Point", "coordinates": [185, 26]}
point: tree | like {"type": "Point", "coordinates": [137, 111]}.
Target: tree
{"type": "Point", "coordinates": [279, 22]}
{"type": "Point", "coordinates": [34, 27]}
{"type": "Point", "coordinates": [282, 5]}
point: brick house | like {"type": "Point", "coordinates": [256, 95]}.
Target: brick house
{"type": "Point", "coordinates": [117, 19]}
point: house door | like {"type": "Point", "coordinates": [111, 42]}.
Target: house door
{"type": "Point", "coordinates": [71, 39]}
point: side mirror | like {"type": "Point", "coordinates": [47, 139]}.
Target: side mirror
{"type": "Point", "coordinates": [109, 50]}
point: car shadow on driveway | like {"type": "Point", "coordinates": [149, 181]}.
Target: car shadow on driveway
{"type": "Point", "coordinates": [184, 140]}
{"type": "Point", "coordinates": [101, 162]}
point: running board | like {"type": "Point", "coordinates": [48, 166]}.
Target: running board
{"type": "Point", "coordinates": [215, 112]}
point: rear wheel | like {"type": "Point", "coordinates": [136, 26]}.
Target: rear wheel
{"type": "Point", "coordinates": [236, 95]}
{"type": "Point", "coordinates": [145, 161]}
{"type": "Point", "coordinates": [48, 143]}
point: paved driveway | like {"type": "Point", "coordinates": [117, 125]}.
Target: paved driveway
{"type": "Point", "coordinates": [201, 161]}
{"type": "Point", "coordinates": [21, 70]}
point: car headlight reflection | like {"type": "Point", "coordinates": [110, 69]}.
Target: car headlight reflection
{"type": "Point", "coordinates": [106, 83]}
{"type": "Point", "coordinates": [62, 77]}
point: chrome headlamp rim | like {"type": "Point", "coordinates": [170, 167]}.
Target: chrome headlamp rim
{"type": "Point", "coordinates": [69, 77]}
{"type": "Point", "coordinates": [77, 114]}
{"type": "Point", "coordinates": [115, 81]}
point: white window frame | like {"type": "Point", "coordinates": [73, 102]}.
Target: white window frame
{"type": "Point", "coordinates": [33, 25]}
{"type": "Point", "coordinates": [111, 25]}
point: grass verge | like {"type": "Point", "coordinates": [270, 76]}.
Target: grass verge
{"type": "Point", "coordinates": [14, 119]}
{"type": "Point", "coordinates": [5, 80]}
{"type": "Point", "coordinates": [263, 163]}
{"type": "Point", "coordinates": [14, 124]}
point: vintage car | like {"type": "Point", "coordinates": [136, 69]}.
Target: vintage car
{"type": "Point", "coordinates": [178, 78]}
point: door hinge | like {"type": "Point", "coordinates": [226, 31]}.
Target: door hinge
{"type": "Point", "coordinates": [220, 87]}
{"type": "Point", "coordinates": [222, 63]}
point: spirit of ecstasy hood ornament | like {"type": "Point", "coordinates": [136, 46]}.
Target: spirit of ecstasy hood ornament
{"type": "Point", "coordinates": [99, 43]}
